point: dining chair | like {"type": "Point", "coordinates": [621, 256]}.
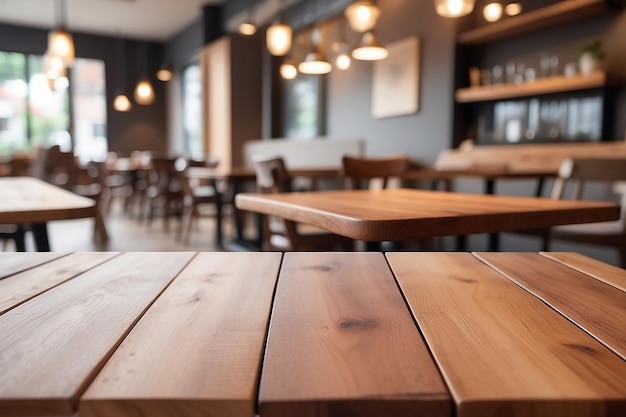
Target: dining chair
{"type": "Point", "coordinates": [197, 195]}
{"type": "Point", "coordinates": [360, 172]}
{"type": "Point", "coordinates": [279, 234]}
{"type": "Point", "coordinates": [165, 190]}
{"type": "Point", "coordinates": [372, 173]}
{"type": "Point", "coordinates": [573, 174]}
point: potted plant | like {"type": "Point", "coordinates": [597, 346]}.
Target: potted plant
{"type": "Point", "coordinates": [591, 55]}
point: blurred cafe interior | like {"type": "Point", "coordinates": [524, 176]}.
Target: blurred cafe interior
{"type": "Point", "coordinates": [508, 84]}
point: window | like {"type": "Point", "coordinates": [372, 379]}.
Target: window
{"type": "Point", "coordinates": [192, 112]}
{"type": "Point", "coordinates": [35, 112]}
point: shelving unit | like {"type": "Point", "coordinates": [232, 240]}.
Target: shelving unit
{"type": "Point", "coordinates": [476, 107]}
{"type": "Point", "coordinates": [549, 16]}
{"type": "Point", "coordinates": [542, 86]}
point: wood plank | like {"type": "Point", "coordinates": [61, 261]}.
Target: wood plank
{"type": "Point", "coordinates": [198, 350]}
{"type": "Point", "coordinates": [15, 262]}
{"type": "Point", "coordinates": [54, 344]}
{"type": "Point", "coordinates": [587, 302]}
{"type": "Point", "coordinates": [609, 274]}
{"type": "Point", "coordinates": [550, 85]}
{"type": "Point", "coordinates": [18, 288]}
{"type": "Point", "coordinates": [341, 342]}
{"type": "Point", "coordinates": [501, 350]}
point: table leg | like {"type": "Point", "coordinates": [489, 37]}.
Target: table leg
{"type": "Point", "coordinates": [40, 234]}
{"type": "Point", "coordinates": [494, 238]}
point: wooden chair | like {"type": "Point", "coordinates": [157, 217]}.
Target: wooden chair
{"type": "Point", "coordinates": [197, 195]}
{"type": "Point", "coordinates": [363, 173]}
{"type": "Point", "coordinates": [165, 192]}
{"type": "Point", "coordinates": [284, 235]}
{"type": "Point", "coordinates": [574, 173]}
{"type": "Point", "coordinates": [360, 172]}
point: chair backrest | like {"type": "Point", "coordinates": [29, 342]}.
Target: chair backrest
{"type": "Point", "coordinates": [582, 170]}
{"type": "Point", "coordinates": [361, 170]}
{"type": "Point", "coordinates": [271, 175]}
{"type": "Point", "coordinates": [164, 175]}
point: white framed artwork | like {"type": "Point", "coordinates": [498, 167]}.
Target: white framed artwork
{"type": "Point", "coordinates": [395, 80]}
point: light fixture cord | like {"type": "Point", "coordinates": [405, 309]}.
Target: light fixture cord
{"type": "Point", "coordinates": [61, 14]}
{"type": "Point", "coordinates": [119, 51]}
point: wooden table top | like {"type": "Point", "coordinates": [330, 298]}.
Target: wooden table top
{"type": "Point", "coordinates": [359, 334]}
{"type": "Point", "coordinates": [400, 214]}
{"type": "Point", "coordinates": [31, 200]}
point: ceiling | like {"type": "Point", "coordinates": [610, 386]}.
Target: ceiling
{"type": "Point", "coordinates": [150, 20]}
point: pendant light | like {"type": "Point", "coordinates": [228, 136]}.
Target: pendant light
{"type": "Point", "coordinates": [362, 15]}
{"type": "Point", "coordinates": [60, 42]}
{"type": "Point", "coordinates": [288, 69]}
{"type": "Point", "coordinates": [278, 36]}
{"type": "Point", "coordinates": [121, 102]}
{"type": "Point", "coordinates": [369, 48]}
{"type": "Point", "coordinates": [144, 93]}
{"type": "Point", "coordinates": [165, 73]}
{"type": "Point", "coordinates": [315, 62]}
{"type": "Point", "coordinates": [342, 60]}
{"type": "Point", "coordinates": [454, 8]}
{"type": "Point", "coordinates": [247, 27]}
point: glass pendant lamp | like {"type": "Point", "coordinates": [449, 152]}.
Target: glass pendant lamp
{"type": "Point", "coordinates": [369, 48]}
{"type": "Point", "coordinates": [121, 102]}
{"type": "Point", "coordinates": [362, 15]}
{"type": "Point", "coordinates": [454, 8]}
{"type": "Point", "coordinates": [60, 41]}
{"type": "Point", "coordinates": [315, 62]}
{"type": "Point", "coordinates": [144, 93]}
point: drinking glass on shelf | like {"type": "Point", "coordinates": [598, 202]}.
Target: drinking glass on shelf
{"type": "Point", "coordinates": [497, 74]}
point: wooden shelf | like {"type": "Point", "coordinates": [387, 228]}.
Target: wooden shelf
{"type": "Point", "coordinates": [549, 16]}
{"type": "Point", "coordinates": [550, 85]}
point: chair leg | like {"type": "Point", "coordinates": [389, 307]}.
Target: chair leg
{"type": "Point", "coordinates": [622, 256]}
{"type": "Point", "coordinates": [186, 224]}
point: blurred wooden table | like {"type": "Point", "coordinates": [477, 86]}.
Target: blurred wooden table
{"type": "Point", "coordinates": [360, 334]}
{"type": "Point", "coordinates": [401, 214]}
{"type": "Point", "coordinates": [28, 200]}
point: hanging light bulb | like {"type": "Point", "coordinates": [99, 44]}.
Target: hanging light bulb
{"type": "Point", "coordinates": [165, 73]}
{"type": "Point", "coordinates": [315, 62]}
{"type": "Point", "coordinates": [122, 103]}
{"type": "Point", "coordinates": [343, 61]}
{"type": "Point", "coordinates": [144, 93]}
{"type": "Point", "coordinates": [492, 12]}
{"type": "Point", "coordinates": [288, 70]}
{"type": "Point", "coordinates": [362, 15]}
{"type": "Point", "coordinates": [278, 38]}
{"type": "Point", "coordinates": [454, 8]}
{"type": "Point", "coordinates": [60, 42]}
{"type": "Point", "coordinates": [513, 9]}
{"type": "Point", "coordinates": [369, 48]}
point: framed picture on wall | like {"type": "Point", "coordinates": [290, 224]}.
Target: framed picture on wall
{"type": "Point", "coordinates": [304, 107]}
{"type": "Point", "coordinates": [395, 80]}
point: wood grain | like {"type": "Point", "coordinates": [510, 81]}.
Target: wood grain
{"type": "Point", "coordinates": [31, 200]}
{"type": "Point", "coordinates": [14, 262]}
{"type": "Point", "coordinates": [587, 302]}
{"type": "Point", "coordinates": [501, 350]}
{"type": "Point", "coordinates": [609, 274]}
{"type": "Point", "coordinates": [16, 289]}
{"type": "Point", "coordinates": [198, 349]}
{"type": "Point", "coordinates": [341, 342]}
{"type": "Point", "coordinates": [53, 345]}
{"type": "Point", "coordinates": [402, 214]}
